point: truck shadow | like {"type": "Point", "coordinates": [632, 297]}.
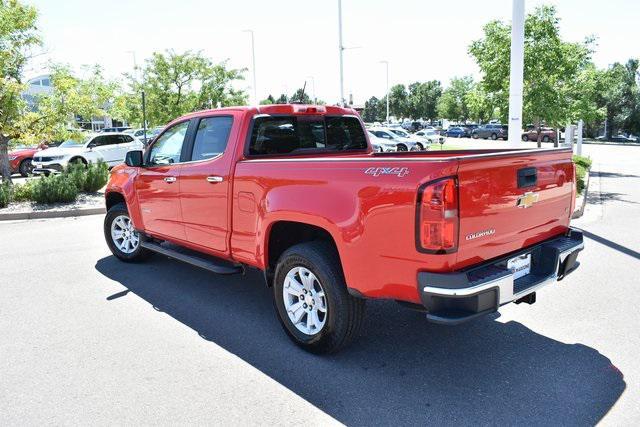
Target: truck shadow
{"type": "Point", "coordinates": [402, 370]}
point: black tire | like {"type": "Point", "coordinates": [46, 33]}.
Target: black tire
{"type": "Point", "coordinates": [525, 138]}
{"type": "Point", "coordinates": [494, 136]}
{"type": "Point", "coordinates": [545, 138]}
{"type": "Point", "coordinates": [420, 146]}
{"type": "Point", "coordinates": [26, 167]}
{"type": "Point", "coordinates": [78, 161]}
{"type": "Point", "coordinates": [402, 147]}
{"type": "Point", "coordinates": [474, 135]}
{"type": "Point", "coordinates": [344, 313]}
{"type": "Point", "coordinates": [137, 255]}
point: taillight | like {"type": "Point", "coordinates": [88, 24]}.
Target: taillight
{"type": "Point", "coordinates": [437, 217]}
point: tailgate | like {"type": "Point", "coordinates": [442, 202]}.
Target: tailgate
{"type": "Point", "coordinates": [511, 201]}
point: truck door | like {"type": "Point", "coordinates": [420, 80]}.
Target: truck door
{"type": "Point", "coordinates": [205, 183]}
{"type": "Point", "coordinates": [158, 184]}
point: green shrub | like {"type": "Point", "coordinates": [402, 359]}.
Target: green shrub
{"type": "Point", "coordinates": [77, 173]}
{"type": "Point", "coordinates": [88, 178]}
{"type": "Point", "coordinates": [585, 162]}
{"type": "Point", "coordinates": [5, 195]}
{"type": "Point", "coordinates": [54, 189]}
{"type": "Point", "coordinates": [97, 175]}
{"type": "Point", "coordinates": [22, 192]}
{"type": "Point", "coordinates": [581, 173]}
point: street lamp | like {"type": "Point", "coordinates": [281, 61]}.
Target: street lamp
{"type": "Point", "coordinates": [253, 60]}
{"type": "Point", "coordinates": [387, 66]}
{"type": "Point", "coordinates": [516, 78]}
{"type": "Point", "coordinates": [313, 88]}
{"type": "Point", "coordinates": [341, 49]}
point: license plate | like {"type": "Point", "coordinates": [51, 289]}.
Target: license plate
{"type": "Point", "coordinates": [520, 266]}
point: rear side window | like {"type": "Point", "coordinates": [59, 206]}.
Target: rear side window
{"type": "Point", "coordinates": [300, 134]}
{"type": "Point", "coordinates": [211, 137]}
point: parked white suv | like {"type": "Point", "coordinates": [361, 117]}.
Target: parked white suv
{"type": "Point", "coordinates": [381, 145]}
{"type": "Point", "coordinates": [111, 148]}
{"type": "Point", "coordinates": [397, 137]}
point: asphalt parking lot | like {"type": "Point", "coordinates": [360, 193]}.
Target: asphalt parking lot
{"type": "Point", "coordinates": [87, 339]}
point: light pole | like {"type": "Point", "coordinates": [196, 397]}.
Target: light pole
{"type": "Point", "coordinates": [313, 88]}
{"type": "Point", "coordinates": [387, 66]}
{"type": "Point", "coordinates": [341, 49]}
{"type": "Point", "coordinates": [253, 60]}
{"type": "Point", "coordinates": [516, 78]}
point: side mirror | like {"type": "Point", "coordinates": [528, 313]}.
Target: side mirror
{"type": "Point", "coordinates": [134, 158]}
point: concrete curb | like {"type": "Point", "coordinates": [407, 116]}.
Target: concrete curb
{"type": "Point", "coordinates": [581, 201]}
{"type": "Point", "coordinates": [11, 216]}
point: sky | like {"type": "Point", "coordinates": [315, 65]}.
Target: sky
{"type": "Point", "coordinates": [297, 41]}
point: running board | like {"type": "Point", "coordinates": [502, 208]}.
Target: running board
{"type": "Point", "coordinates": [192, 257]}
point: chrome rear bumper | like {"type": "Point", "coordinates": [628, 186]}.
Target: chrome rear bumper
{"type": "Point", "coordinates": [460, 296]}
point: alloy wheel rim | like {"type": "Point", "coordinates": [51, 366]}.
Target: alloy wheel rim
{"type": "Point", "coordinates": [304, 300]}
{"type": "Point", "coordinates": [124, 236]}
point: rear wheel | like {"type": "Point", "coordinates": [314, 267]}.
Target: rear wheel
{"type": "Point", "coordinates": [494, 136]}
{"type": "Point", "coordinates": [123, 240]}
{"type": "Point", "coordinates": [545, 138]}
{"type": "Point", "coordinates": [420, 146]}
{"type": "Point", "coordinates": [26, 167]}
{"type": "Point", "coordinates": [311, 299]}
{"type": "Point", "coordinates": [402, 147]}
{"type": "Point", "coordinates": [474, 135]}
{"type": "Point", "coordinates": [525, 138]}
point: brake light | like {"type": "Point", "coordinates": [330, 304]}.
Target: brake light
{"type": "Point", "coordinates": [437, 217]}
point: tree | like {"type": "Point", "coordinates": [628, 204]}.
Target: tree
{"type": "Point", "coordinates": [282, 99]}
{"type": "Point", "coordinates": [268, 101]}
{"type": "Point", "coordinates": [178, 83]}
{"type": "Point", "coordinates": [70, 98]}
{"type": "Point", "coordinates": [551, 65]}
{"type": "Point", "coordinates": [480, 104]}
{"type": "Point", "coordinates": [620, 97]}
{"type": "Point", "coordinates": [375, 110]}
{"type": "Point", "coordinates": [17, 37]}
{"type": "Point", "coordinates": [398, 101]}
{"type": "Point", "coordinates": [422, 99]}
{"type": "Point", "coordinates": [453, 102]}
{"type": "Point", "coordinates": [300, 96]}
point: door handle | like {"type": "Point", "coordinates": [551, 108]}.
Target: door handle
{"type": "Point", "coordinates": [170, 179]}
{"type": "Point", "coordinates": [214, 179]}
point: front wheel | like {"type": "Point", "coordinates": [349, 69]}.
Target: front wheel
{"type": "Point", "coordinates": [420, 147]}
{"type": "Point", "coordinates": [474, 135]}
{"type": "Point", "coordinates": [123, 240]}
{"type": "Point", "coordinates": [494, 136]}
{"type": "Point", "coordinates": [26, 167]}
{"type": "Point", "coordinates": [402, 147]}
{"type": "Point", "coordinates": [311, 299]}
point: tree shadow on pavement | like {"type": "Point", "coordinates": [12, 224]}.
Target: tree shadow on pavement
{"type": "Point", "coordinates": [403, 370]}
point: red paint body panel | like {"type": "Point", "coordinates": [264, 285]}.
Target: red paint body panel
{"type": "Point", "coordinates": [22, 154]}
{"type": "Point", "coordinates": [372, 219]}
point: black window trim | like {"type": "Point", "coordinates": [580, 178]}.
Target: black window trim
{"type": "Point", "coordinates": [190, 139]}
{"type": "Point", "coordinates": [247, 143]}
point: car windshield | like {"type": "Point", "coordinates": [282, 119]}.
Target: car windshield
{"type": "Point", "coordinates": [72, 143]}
{"type": "Point", "coordinates": [399, 133]}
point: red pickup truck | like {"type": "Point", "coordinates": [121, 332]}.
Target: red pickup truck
{"type": "Point", "coordinates": [297, 192]}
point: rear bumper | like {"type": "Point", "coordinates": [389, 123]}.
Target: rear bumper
{"type": "Point", "coordinates": [453, 298]}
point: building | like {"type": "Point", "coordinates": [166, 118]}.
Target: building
{"type": "Point", "coordinates": [42, 86]}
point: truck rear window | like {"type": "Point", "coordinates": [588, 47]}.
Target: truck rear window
{"type": "Point", "coordinates": [282, 135]}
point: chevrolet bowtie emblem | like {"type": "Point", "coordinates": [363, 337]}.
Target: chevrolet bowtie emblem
{"type": "Point", "coordinates": [527, 200]}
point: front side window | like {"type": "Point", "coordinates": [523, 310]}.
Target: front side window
{"type": "Point", "coordinates": [168, 147]}
{"type": "Point", "coordinates": [301, 134]}
{"type": "Point", "coordinates": [211, 137]}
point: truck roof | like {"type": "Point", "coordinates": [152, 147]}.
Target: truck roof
{"type": "Point", "coordinates": [280, 109]}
